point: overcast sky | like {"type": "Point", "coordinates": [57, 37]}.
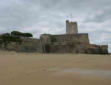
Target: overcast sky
{"type": "Point", "coordinates": [49, 16]}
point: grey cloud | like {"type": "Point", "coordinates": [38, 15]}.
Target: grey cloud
{"type": "Point", "coordinates": [100, 16]}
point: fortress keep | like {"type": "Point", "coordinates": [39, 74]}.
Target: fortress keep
{"type": "Point", "coordinates": [71, 42]}
{"type": "Point", "coordinates": [71, 27]}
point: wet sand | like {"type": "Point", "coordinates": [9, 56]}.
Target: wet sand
{"type": "Point", "coordinates": [54, 69]}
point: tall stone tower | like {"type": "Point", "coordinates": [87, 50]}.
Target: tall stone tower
{"type": "Point", "coordinates": [71, 27]}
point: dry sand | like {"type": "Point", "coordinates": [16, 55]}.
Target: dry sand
{"type": "Point", "coordinates": [54, 69]}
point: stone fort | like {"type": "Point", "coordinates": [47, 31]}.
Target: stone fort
{"type": "Point", "coordinates": [71, 42]}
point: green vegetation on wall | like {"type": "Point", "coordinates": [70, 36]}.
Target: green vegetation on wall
{"type": "Point", "coordinates": [14, 36]}
{"type": "Point", "coordinates": [20, 34]}
{"type": "Point", "coordinates": [53, 39]}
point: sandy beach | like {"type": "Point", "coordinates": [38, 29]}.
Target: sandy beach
{"type": "Point", "coordinates": [54, 69]}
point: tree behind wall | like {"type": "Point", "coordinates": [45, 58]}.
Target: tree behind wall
{"type": "Point", "coordinates": [20, 34]}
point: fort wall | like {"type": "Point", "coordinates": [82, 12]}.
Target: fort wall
{"type": "Point", "coordinates": [78, 48]}
{"type": "Point", "coordinates": [75, 38]}
{"type": "Point", "coordinates": [31, 45]}
{"type": "Point", "coordinates": [27, 45]}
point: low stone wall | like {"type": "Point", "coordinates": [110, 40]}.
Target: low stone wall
{"type": "Point", "coordinates": [59, 49]}
{"type": "Point", "coordinates": [31, 45]}
{"type": "Point", "coordinates": [77, 48]}
{"type": "Point", "coordinates": [27, 45]}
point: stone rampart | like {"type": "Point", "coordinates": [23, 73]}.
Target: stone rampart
{"type": "Point", "coordinates": [31, 45]}
{"type": "Point", "coordinates": [78, 48]}
{"type": "Point", "coordinates": [75, 38]}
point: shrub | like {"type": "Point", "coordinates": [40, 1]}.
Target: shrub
{"type": "Point", "coordinates": [20, 34]}
{"type": "Point", "coordinates": [27, 35]}
{"type": "Point", "coordinates": [16, 34]}
{"type": "Point", "coordinates": [53, 39]}
{"type": "Point", "coordinates": [7, 38]}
